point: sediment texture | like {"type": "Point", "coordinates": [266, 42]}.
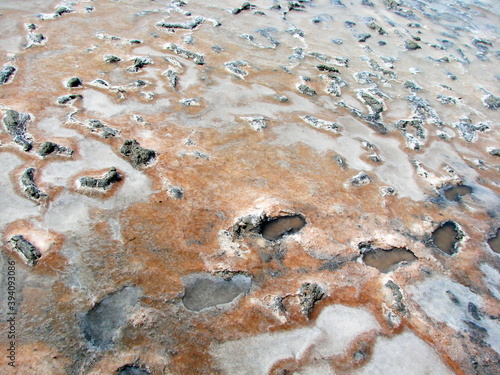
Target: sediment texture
{"type": "Point", "coordinates": [267, 187]}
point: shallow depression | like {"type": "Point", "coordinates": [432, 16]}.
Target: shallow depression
{"type": "Point", "coordinates": [205, 290]}
{"type": "Point", "coordinates": [276, 228]}
{"type": "Point", "coordinates": [388, 260]}
{"type": "Point", "coordinates": [454, 193]}
{"type": "Point", "coordinates": [102, 322]}
{"type": "Point", "coordinates": [446, 237]}
{"type": "Point", "coordinates": [494, 242]}
{"type": "Point", "coordinates": [219, 167]}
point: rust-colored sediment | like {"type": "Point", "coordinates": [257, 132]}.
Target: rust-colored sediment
{"type": "Point", "coordinates": [139, 234]}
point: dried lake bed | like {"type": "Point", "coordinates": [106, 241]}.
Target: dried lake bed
{"type": "Point", "coordinates": [267, 187]}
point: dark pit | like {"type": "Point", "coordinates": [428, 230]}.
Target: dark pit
{"type": "Point", "coordinates": [445, 237]}
{"type": "Point", "coordinates": [494, 242]}
{"type": "Point", "coordinates": [386, 260]}
{"type": "Point", "coordinates": [276, 228]}
{"type": "Point", "coordinates": [454, 193]}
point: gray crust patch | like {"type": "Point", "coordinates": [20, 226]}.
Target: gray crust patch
{"type": "Point", "coordinates": [205, 290]}
{"type": "Point", "coordinates": [101, 323]}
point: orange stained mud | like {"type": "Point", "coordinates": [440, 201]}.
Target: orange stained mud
{"type": "Point", "coordinates": [138, 234]}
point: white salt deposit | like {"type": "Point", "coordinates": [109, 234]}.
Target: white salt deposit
{"type": "Point", "coordinates": [404, 354]}
{"type": "Point", "coordinates": [13, 206]}
{"type": "Point", "coordinates": [71, 210]}
{"type": "Point", "coordinates": [433, 296]}
{"type": "Point", "coordinates": [99, 104]}
{"type": "Point", "coordinates": [492, 279]}
{"type": "Point", "coordinates": [334, 330]}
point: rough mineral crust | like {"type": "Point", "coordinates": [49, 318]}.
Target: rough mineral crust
{"type": "Point", "coordinates": [29, 186]}
{"type": "Point", "coordinates": [191, 102]}
{"type": "Point", "coordinates": [327, 68]}
{"type": "Point", "coordinates": [196, 57]}
{"type": "Point", "coordinates": [424, 110]}
{"type": "Point", "coordinates": [398, 296]}
{"type": "Point", "coordinates": [373, 119]}
{"type": "Point", "coordinates": [104, 183]}
{"type": "Point", "coordinates": [16, 124]}
{"type": "Point", "coordinates": [248, 224]}
{"type": "Point", "coordinates": [360, 179]}
{"type": "Point", "coordinates": [188, 25]}
{"type": "Point", "coordinates": [139, 63]}
{"type": "Point", "coordinates": [491, 101]}
{"type": "Point", "coordinates": [375, 26]}
{"type": "Point", "coordinates": [413, 86]}
{"type": "Point", "coordinates": [29, 252]}
{"type": "Point", "coordinates": [138, 156]}
{"type": "Point", "coordinates": [172, 78]}
{"type": "Point", "coordinates": [375, 105]}
{"type": "Point", "coordinates": [48, 148]}
{"type": "Point", "coordinates": [334, 84]}
{"type": "Point", "coordinates": [340, 161]}
{"type": "Point", "coordinates": [366, 78]}
{"type": "Point", "coordinates": [175, 192]}
{"type": "Point", "coordinates": [97, 126]}
{"type": "Point", "coordinates": [100, 83]}
{"type": "Point", "coordinates": [362, 37]}
{"type": "Point", "coordinates": [111, 59]}
{"type": "Point", "coordinates": [321, 124]}
{"type": "Point", "coordinates": [66, 99]}
{"type": "Point", "coordinates": [447, 100]}
{"type": "Point", "coordinates": [244, 6]}
{"type": "Point", "coordinates": [309, 295]}
{"type": "Point", "coordinates": [411, 45]}
{"type": "Point", "coordinates": [251, 39]}
{"type": "Point", "coordinates": [35, 39]}
{"type": "Point", "coordinates": [6, 73]}
{"type": "Point", "coordinates": [74, 82]}
{"type": "Point", "coordinates": [357, 233]}
{"type": "Point", "coordinates": [416, 137]}
{"type": "Point", "coordinates": [257, 123]}
{"type": "Point", "coordinates": [468, 130]}
{"type": "Point", "coordinates": [234, 67]}
{"type": "Point", "coordinates": [306, 90]}
{"type": "Point", "coordinates": [118, 40]}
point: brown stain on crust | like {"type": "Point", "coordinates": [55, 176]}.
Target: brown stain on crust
{"type": "Point", "coordinates": [165, 239]}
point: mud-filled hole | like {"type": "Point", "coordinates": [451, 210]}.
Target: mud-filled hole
{"type": "Point", "coordinates": [276, 228]}
{"type": "Point", "coordinates": [454, 193]}
{"type": "Point", "coordinates": [446, 237]}
{"type": "Point", "coordinates": [386, 260]}
{"type": "Point", "coordinates": [494, 242]}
